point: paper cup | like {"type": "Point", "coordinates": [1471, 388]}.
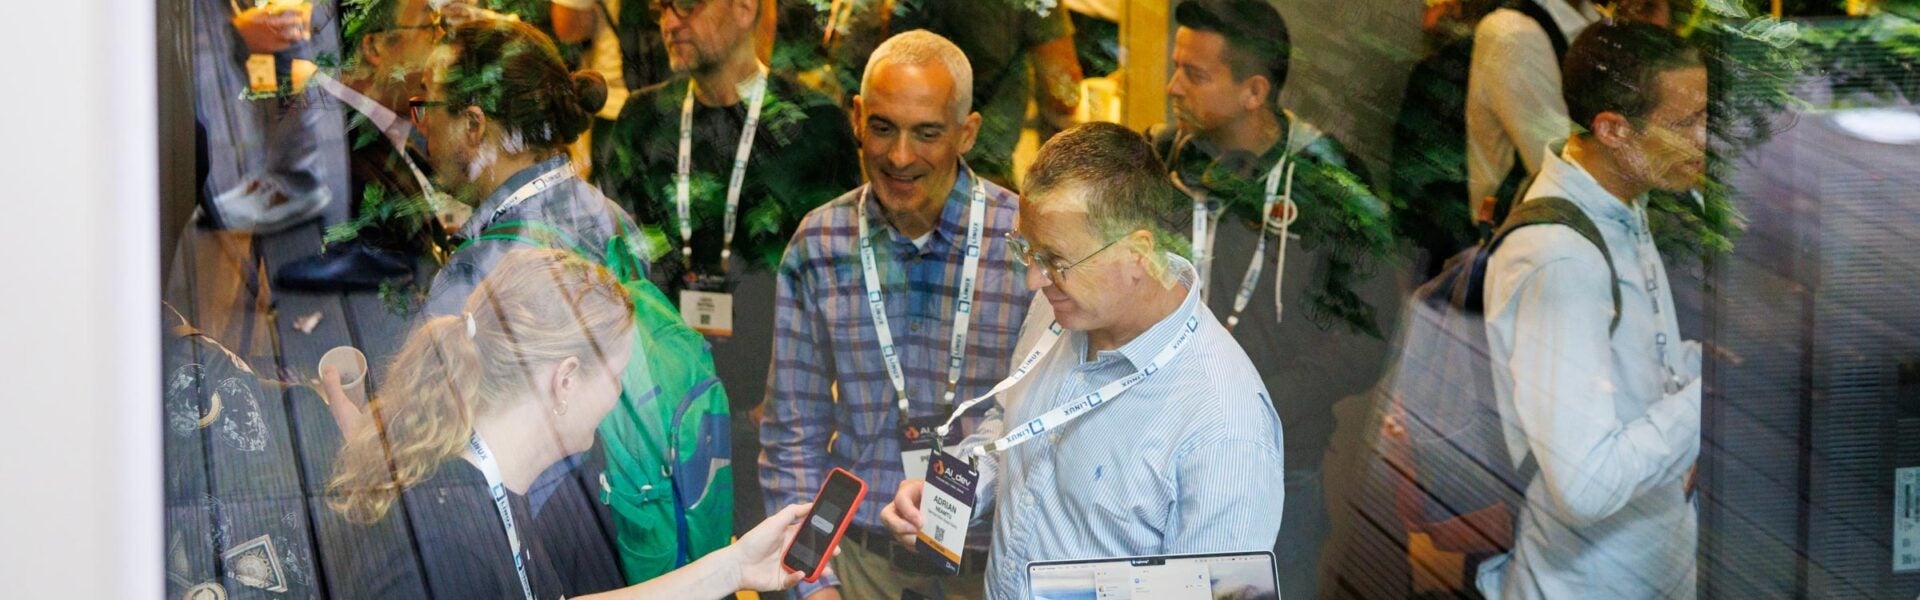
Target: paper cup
{"type": "Point", "coordinates": [352, 365]}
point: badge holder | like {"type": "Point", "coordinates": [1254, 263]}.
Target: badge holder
{"type": "Point", "coordinates": [707, 304]}
{"type": "Point", "coordinates": [920, 442]}
{"type": "Point", "coordinates": [947, 505]}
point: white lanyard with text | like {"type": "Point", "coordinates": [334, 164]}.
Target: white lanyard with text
{"type": "Point", "coordinates": [527, 190]}
{"type": "Point", "coordinates": [962, 307]}
{"type": "Point", "coordinates": [1644, 248]}
{"type": "Point", "coordinates": [490, 468]}
{"type": "Point", "coordinates": [1079, 407]}
{"type": "Point", "coordinates": [682, 186]}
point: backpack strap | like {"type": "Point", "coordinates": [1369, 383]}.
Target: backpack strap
{"type": "Point", "coordinates": [619, 256]}
{"type": "Point", "coordinates": [1533, 10]}
{"type": "Point", "coordinates": [532, 233]}
{"type": "Point", "coordinates": [1560, 211]}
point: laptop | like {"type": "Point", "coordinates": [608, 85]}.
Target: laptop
{"type": "Point", "coordinates": [1220, 576]}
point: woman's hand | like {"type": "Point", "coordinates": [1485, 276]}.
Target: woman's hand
{"type": "Point", "coordinates": [757, 555]}
{"type": "Point", "coordinates": [349, 416]}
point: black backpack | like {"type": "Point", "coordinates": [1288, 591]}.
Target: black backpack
{"type": "Point", "coordinates": [1464, 488]}
{"type": "Point", "coordinates": [1430, 143]}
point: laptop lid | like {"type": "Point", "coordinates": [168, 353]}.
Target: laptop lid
{"type": "Point", "coordinates": [1239, 575]}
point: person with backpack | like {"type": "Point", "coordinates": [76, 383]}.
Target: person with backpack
{"type": "Point", "coordinates": [1597, 394]}
{"type": "Point", "coordinates": [498, 114]}
{"type": "Point", "coordinates": [896, 302]}
{"type": "Point", "coordinates": [476, 407]}
{"type": "Point", "coordinates": [1513, 104]}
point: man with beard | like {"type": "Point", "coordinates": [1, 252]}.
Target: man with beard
{"type": "Point", "coordinates": [1595, 386]}
{"type": "Point", "coordinates": [719, 164]}
{"type": "Point", "coordinates": [395, 38]}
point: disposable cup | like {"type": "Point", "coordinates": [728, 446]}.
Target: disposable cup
{"type": "Point", "coordinates": [352, 365]}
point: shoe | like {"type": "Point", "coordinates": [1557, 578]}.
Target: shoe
{"type": "Point", "coordinates": [352, 267]}
{"type": "Point", "coordinates": [263, 207]}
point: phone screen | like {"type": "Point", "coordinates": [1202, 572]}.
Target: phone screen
{"type": "Point", "coordinates": [810, 546]}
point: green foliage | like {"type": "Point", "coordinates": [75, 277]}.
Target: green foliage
{"type": "Point", "coordinates": [1877, 57]}
{"type": "Point", "coordinates": [407, 219]}
{"type": "Point", "coordinates": [402, 298]}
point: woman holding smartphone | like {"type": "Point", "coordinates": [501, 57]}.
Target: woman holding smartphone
{"type": "Point", "coordinates": [475, 407]}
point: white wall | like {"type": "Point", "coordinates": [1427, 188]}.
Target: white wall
{"type": "Point", "coordinates": [79, 350]}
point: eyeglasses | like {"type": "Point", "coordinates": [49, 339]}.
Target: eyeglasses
{"type": "Point", "coordinates": [417, 106]}
{"type": "Point", "coordinates": [679, 8]}
{"type": "Point", "coordinates": [1050, 266]}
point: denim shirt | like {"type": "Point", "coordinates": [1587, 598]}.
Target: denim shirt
{"type": "Point", "coordinates": [1613, 420]}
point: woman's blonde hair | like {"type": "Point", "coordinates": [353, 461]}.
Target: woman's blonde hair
{"type": "Point", "coordinates": [538, 307]}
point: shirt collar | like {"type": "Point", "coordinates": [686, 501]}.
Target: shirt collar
{"type": "Point", "coordinates": [953, 215]}
{"type": "Point", "coordinates": [499, 195]}
{"type": "Point", "coordinates": [1144, 347]}
{"type": "Point", "coordinates": [744, 87]}
{"type": "Point", "coordinates": [1570, 20]}
{"type": "Point", "coordinates": [1560, 176]}
{"type": "Point", "coordinates": [747, 86]}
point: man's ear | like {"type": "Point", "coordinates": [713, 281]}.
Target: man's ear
{"type": "Point", "coordinates": [1612, 129]}
{"type": "Point", "coordinates": [475, 121]}
{"type": "Point", "coordinates": [969, 132]}
{"type": "Point", "coordinates": [1258, 89]}
{"type": "Point", "coordinates": [1143, 244]}
{"type": "Point", "coordinates": [745, 13]}
{"type": "Point", "coordinates": [859, 116]}
{"type": "Point", "coordinates": [370, 50]}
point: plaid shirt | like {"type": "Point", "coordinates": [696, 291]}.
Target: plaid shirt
{"type": "Point", "coordinates": [824, 337]}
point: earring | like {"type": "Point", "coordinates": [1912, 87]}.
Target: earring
{"type": "Point", "coordinates": [560, 409]}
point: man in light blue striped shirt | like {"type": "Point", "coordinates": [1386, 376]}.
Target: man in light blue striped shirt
{"type": "Point", "coordinates": [1189, 459]}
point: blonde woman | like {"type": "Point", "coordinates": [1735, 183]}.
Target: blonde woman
{"type": "Point", "coordinates": [476, 406]}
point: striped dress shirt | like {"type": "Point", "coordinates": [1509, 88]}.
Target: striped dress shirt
{"type": "Point", "coordinates": [1187, 461]}
{"type": "Point", "coordinates": [825, 343]}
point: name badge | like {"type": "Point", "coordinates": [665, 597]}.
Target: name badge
{"type": "Point", "coordinates": [916, 445]}
{"type": "Point", "coordinates": [947, 504]}
{"type": "Point", "coordinates": [262, 77]}
{"type": "Point", "coordinates": [709, 313]}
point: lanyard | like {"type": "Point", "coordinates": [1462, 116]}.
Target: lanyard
{"type": "Point", "coordinates": [384, 119]}
{"type": "Point", "coordinates": [1202, 247]}
{"type": "Point", "coordinates": [527, 190]}
{"type": "Point", "coordinates": [491, 469]}
{"type": "Point", "coordinates": [1645, 254]}
{"type": "Point", "coordinates": [962, 307]}
{"type": "Point", "coordinates": [682, 188]}
{"type": "Point", "coordinates": [1079, 407]}
{"type": "Point", "coordinates": [1277, 195]}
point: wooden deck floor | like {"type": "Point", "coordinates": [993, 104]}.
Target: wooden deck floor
{"type": "Point", "coordinates": [258, 467]}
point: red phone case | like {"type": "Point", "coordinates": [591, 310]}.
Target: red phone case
{"type": "Point", "coordinates": [838, 532]}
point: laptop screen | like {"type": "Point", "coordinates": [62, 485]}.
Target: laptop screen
{"type": "Point", "coordinates": [1239, 575]}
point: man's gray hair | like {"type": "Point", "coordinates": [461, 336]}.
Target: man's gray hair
{"type": "Point", "coordinates": [921, 48]}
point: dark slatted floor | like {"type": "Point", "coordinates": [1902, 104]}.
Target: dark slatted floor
{"type": "Point", "coordinates": [258, 467]}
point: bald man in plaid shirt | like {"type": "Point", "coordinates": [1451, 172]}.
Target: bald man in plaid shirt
{"type": "Point", "coordinates": [921, 209]}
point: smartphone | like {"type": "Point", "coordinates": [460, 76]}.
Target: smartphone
{"type": "Point", "coordinates": [832, 513]}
